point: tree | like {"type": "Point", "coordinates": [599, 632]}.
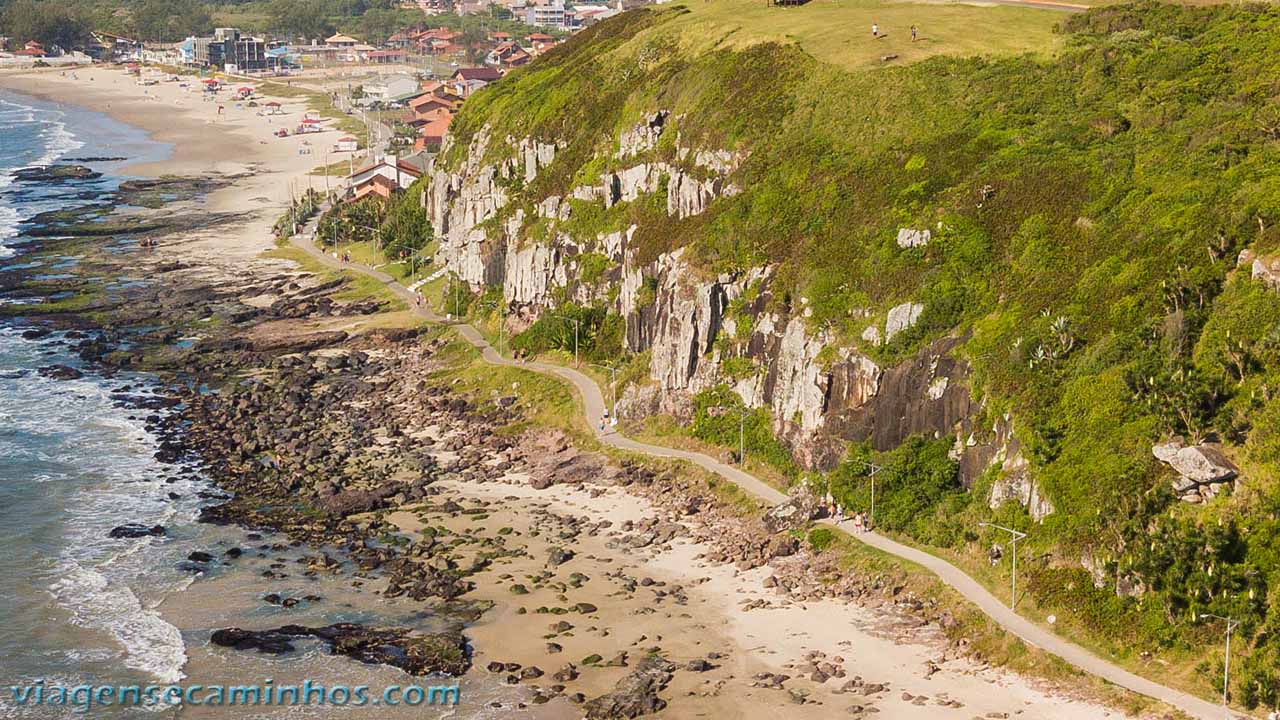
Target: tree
{"type": "Point", "coordinates": [52, 23]}
{"type": "Point", "coordinates": [170, 20]}
{"type": "Point", "coordinates": [298, 18]}
{"type": "Point", "coordinates": [474, 37]}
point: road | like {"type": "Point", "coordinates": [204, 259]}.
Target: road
{"type": "Point", "coordinates": [593, 400]}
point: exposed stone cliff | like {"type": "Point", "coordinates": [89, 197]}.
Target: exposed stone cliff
{"type": "Point", "coordinates": [820, 394]}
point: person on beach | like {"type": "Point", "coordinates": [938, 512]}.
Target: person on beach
{"type": "Point", "coordinates": [913, 33]}
{"type": "Point", "coordinates": [875, 30]}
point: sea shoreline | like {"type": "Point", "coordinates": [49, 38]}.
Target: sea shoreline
{"type": "Point", "coordinates": [755, 624]}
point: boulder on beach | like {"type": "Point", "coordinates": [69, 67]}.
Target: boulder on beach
{"type": "Point", "coordinates": [60, 372]}
{"type": "Point", "coordinates": [136, 530]}
{"type": "Point", "coordinates": [636, 694]}
{"type": "Point", "coordinates": [404, 648]}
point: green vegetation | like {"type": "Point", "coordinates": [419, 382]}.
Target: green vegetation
{"type": "Point", "coordinates": [397, 228]}
{"type": "Point", "coordinates": [1086, 212]}
{"type": "Point", "coordinates": [720, 418]}
{"type": "Point", "coordinates": [594, 332]}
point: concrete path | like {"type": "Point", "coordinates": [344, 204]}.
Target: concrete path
{"type": "Point", "coordinates": [593, 400]}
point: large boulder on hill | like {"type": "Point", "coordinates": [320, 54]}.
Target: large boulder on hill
{"type": "Point", "coordinates": [900, 318]}
{"type": "Point", "coordinates": [910, 237]}
{"type": "Point", "coordinates": [1200, 467]}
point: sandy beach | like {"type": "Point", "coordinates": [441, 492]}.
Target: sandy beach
{"type": "Point", "coordinates": [239, 142]}
{"type": "Point", "coordinates": [571, 581]}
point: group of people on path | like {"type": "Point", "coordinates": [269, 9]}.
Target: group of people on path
{"type": "Point", "coordinates": [861, 521]}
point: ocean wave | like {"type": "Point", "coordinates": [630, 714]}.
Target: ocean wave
{"type": "Point", "coordinates": [153, 645]}
{"type": "Point", "coordinates": [55, 139]}
{"type": "Point", "coordinates": [98, 461]}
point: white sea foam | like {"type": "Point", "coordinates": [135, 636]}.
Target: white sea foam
{"type": "Point", "coordinates": [55, 141]}
{"type": "Point", "coordinates": [104, 584]}
{"type": "Point", "coordinates": [154, 646]}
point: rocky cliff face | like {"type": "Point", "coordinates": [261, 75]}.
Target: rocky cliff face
{"type": "Point", "coordinates": [702, 331]}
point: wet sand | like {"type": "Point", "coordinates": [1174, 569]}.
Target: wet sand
{"type": "Point", "coordinates": [729, 634]}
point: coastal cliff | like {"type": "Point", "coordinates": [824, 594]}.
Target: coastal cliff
{"type": "Point", "coordinates": [990, 272]}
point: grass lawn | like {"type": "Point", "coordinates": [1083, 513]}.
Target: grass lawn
{"type": "Point", "coordinates": [360, 286]}
{"type": "Point", "coordinates": [1175, 667]}
{"type": "Point", "coordinates": [342, 168]}
{"type": "Point", "coordinates": [839, 31]}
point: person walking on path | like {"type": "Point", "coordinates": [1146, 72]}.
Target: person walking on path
{"type": "Point", "coordinates": [913, 33]}
{"type": "Point", "coordinates": [875, 30]}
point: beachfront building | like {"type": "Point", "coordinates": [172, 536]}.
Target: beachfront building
{"type": "Point", "coordinates": [341, 41]}
{"type": "Point", "coordinates": [229, 50]}
{"type": "Point", "coordinates": [391, 89]}
{"type": "Point", "coordinates": [386, 175]}
{"type": "Point", "coordinates": [551, 15]}
{"type": "Point", "coordinates": [466, 81]}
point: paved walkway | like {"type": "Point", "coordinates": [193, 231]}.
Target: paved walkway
{"type": "Point", "coordinates": [593, 399]}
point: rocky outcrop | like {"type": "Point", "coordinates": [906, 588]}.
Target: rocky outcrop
{"type": "Point", "coordinates": [900, 318]}
{"type": "Point", "coordinates": [643, 137]}
{"type": "Point", "coordinates": [1202, 469]}
{"type": "Point", "coordinates": [911, 238]}
{"type": "Point", "coordinates": [820, 395]}
{"type": "Point", "coordinates": [414, 653]}
{"type": "Point", "coordinates": [636, 694]}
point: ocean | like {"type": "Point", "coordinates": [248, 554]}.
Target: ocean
{"type": "Point", "coordinates": [79, 607]}
{"type": "Point", "coordinates": [74, 602]}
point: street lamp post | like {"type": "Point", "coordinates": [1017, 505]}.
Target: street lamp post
{"type": "Point", "coordinates": [1226, 659]}
{"type": "Point", "coordinates": [1017, 535]}
{"type": "Point", "coordinates": [873, 468]}
{"type": "Point", "coordinates": [742, 436]}
{"type": "Point", "coordinates": [576, 324]}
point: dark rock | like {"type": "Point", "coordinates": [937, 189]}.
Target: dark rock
{"type": "Point", "coordinates": [60, 372]}
{"type": "Point", "coordinates": [416, 654]}
{"type": "Point", "coordinates": [136, 530]}
{"type": "Point", "coordinates": [636, 694]}
{"type": "Point", "coordinates": [559, 556]}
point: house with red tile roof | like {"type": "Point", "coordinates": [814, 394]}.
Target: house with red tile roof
{"type": "Point", "coordinates": [507, 55]}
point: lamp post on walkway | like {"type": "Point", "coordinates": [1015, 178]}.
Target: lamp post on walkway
{"type": "Point", "coordinates": [873, 469]}
{"type": "Point", "coordinates": [576, 324]}
{"type": "Point", "coordinates": [1017, 535]}
{"type": "Point", "coordinates": [1226, 659]}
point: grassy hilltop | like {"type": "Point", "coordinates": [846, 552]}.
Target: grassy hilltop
{"type": "Point", "coordinates": [1090, 181]}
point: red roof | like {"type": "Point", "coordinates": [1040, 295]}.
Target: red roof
{"type": "Point", "coordinates": [347, 139]}
{"type": "Point", "coordinates": [486, 74]}
{"type": "Point", "coordinates": [386, 53]}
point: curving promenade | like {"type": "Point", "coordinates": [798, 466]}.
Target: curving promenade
{"type": "Point", "coordinates": [594, 406]}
